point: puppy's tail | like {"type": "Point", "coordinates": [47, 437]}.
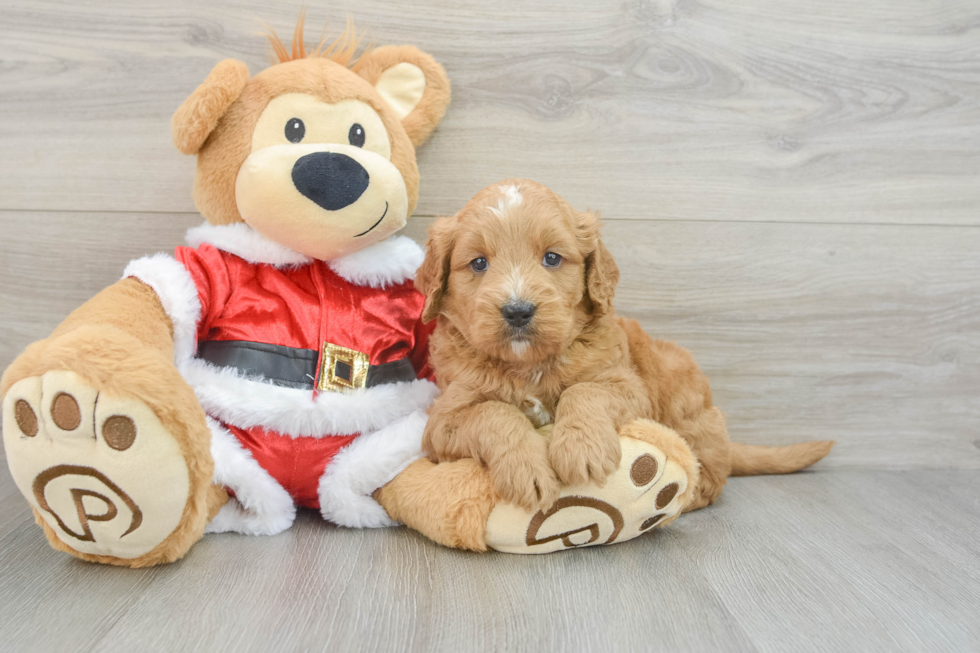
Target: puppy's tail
{"type": "Point", "coordinates": [752, 459]}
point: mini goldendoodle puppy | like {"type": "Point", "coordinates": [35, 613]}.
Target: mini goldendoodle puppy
{"type": "Point", "coordinates": [523, 288]}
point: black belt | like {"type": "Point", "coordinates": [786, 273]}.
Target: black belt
{"type": "Point", "coordinates": [296, 368]}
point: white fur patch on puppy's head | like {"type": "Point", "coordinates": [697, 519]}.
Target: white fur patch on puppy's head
{"type": "Point", "coordinates": [511, 198]}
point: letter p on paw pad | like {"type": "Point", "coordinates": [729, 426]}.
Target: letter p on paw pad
{"type": "Point", "coordinates": [102, 472]}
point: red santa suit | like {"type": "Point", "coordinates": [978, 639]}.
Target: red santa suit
{"type": "Point", "coordinates": [314, 375]}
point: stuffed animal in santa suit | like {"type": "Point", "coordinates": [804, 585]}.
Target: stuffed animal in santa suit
{"type": "Point", "coordinates": [279, 359]}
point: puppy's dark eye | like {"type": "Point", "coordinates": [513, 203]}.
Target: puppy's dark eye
{"type": "Point", "coordinates": [479, 264]}
{"type": "Point", "coordinates": [295, 130]}
{"type": "Point", "coordinates": [356, 135]}
{"type": "Point", "coordinates": [551, 260]}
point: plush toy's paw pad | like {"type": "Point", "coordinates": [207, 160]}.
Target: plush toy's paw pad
{"type": "Point", "coordinates": [103, 472]}
{"type": "Point", "coordinates": [651, 486]}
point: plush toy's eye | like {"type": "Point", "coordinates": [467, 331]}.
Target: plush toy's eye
{"type": "Point", "coordinates": [295, 130]}
{"type": "Point", "coordinates": [551, 260]}
{"type": "Point", "coordinates": [356, 135]}
{"type": "Point", "coordinates": [479, 264]}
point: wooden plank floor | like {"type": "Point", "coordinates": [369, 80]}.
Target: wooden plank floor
{"type": "Point", "coordinates": [842, 560]}
{"type": "Point", "coordinates": [791, 189]}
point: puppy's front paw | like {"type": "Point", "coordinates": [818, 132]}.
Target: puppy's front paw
{"type": "Point", "coordinates": [436, 442]}
{"type": "Point", "coordinates": [522, 476]}
{"type": "Point", "coordinates": [584, 451]}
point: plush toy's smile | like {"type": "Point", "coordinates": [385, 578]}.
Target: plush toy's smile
{"type": "Point", "coordinates": [371, 228]}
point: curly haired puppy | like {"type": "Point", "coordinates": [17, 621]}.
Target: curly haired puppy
{"type": "Point", "coordinates": [523, 288]}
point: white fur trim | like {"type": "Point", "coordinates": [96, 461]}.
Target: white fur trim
{"type": "Point", "coordinates": [261, 506]}
{"type": "Point", "coordinates": [243, 241]}
{"type": "Point", "coordinates": [173, 285]}
{"type": "Point", "coordinates": [247, 402]}
{"type": "Point", "coordinates": [368, 463]}
{"type": "Point", "coordinates": [383, 264]}
{"type": "Point", "coordinates": [387, 263]}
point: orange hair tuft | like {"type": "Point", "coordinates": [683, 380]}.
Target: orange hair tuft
{"type": "Point", "coordinates": [341, 50]}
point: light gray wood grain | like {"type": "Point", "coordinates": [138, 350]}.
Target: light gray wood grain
{"type": "Point", "coordinates": [837, 560]}
{"type": "Point", "coordinates": [811, 559]}
{"type": "Point", "coordinates": [753, 110]}
{"type": "Point", "coordinates": [860, 333]}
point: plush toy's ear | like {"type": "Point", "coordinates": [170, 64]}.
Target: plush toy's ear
{"type": "Point", "coordinates": [432, 277]}
{"type": "Point", "coordinates": [412, 82]}
{"type": "Point", "coordinates": [199, 114]}
{"type": "Point", "coordinates": [601, 271]}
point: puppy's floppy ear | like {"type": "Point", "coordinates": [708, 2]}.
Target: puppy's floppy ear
{"type": "Point", "coordinates": [412, 82]}
{"type": "Point", "coordinates": [433, 277]}
{"type": "Point", "coordinates": [193, 122]}
{"type": "Point", "coordinates": [601, 271]}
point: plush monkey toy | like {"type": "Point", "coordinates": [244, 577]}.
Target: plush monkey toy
{"type": "Point", "coordinates": [278, 360]}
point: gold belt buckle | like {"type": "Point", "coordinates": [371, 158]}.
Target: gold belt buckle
{"type": "Point", "coordinates": [342, 368]}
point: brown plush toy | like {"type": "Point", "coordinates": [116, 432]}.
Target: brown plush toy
{"type": "Point", "coordinates": [280, 360]}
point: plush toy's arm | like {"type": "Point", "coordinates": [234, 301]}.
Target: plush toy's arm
{"type": "Point", "coordinates": [193, 288]}
{"type": "Point", "coordinates": [129, 306]}
{"type": "Point", "coordinates": [463, 424]}
{"type": "Point", "coordinates": [163, 301]}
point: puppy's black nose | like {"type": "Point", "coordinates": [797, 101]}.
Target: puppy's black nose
{"type": "Point", "coordinates": [518, 314]}
{"type": "Point", "coordinates": [330, 179]}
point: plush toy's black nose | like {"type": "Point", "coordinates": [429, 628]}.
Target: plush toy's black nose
{"type": "Point", "coordinates": [330, 179]}
{"type": "Point", "coordinates": [518, 314]}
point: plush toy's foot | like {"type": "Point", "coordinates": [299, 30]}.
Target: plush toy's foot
{"type": "Point", "coordinates": [448, 503]}
{"type": "Point", "coordinates": [653, 483]}
{"type": "Point", "coordinates": [454, 503]}
{"type": "Point", "coordinates": [108, 480]}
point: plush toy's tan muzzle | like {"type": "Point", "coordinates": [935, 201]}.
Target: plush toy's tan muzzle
{"type": "Point", "coordinates": [323, 200]}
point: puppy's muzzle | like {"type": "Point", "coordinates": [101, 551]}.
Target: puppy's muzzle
{"type": "Point", "coordinates": [330, 179]}
{"type": "Point", "coordinates": [518, 314]}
